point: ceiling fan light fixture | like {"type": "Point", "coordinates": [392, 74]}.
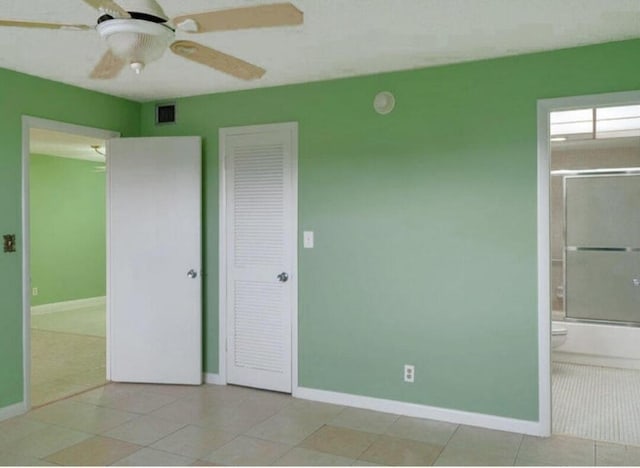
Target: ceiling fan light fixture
{"type": "Point", "coordinates": [137, 32]}
{"type": "Point", "coordinates": [136, 42]}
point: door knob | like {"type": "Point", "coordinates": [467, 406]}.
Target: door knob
{"type": "Point", "coordinates": [193, 274]}
{"type": "Point", "coordinates": [283, 277]}
{"type": "Point", "coordinates": [636, 281]}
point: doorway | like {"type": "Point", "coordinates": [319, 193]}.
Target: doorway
{"type": "Point", "coordinates": [64, 259]}
{"type": "Point", "coordinates": [589, 289]}
{"type": "Point", "coordinates": [258, 256]}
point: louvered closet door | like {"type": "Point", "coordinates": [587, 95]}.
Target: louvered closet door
{"type": "Point", "coordinates": [260, 217]}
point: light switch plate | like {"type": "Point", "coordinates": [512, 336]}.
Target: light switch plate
{"type": "Point", "coordinates": [9, 243]}
{"type": "Point", "coordinates": [308, 239]}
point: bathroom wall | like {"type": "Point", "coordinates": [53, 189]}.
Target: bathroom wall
{"type": "Point", "coordinates": [585, 154]}
{"type": "Point", "coordinates": [68, 229]}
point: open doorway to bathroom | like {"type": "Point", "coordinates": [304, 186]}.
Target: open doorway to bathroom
{"type": "Point", "coordinates": [594, 194]}
{"type": "Point", "coordinates": [67, 263]}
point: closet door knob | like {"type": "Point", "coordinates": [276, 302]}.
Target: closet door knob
{"type": "Point", "coordinates": [283, 277]}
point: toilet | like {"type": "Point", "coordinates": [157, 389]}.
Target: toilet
{"type": "Point", "coordinates": [558, 334]}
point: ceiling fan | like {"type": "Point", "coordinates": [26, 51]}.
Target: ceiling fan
{"type": "Point", "coordinates": [139, 32]}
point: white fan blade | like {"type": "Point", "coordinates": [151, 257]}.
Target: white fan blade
{"type": "Point", "coordinates": [108, 67]}
{"type": "Point", "coordinates": [32, 24]}
{"type": "Point", "coordinates": [218, 60]}
{"type": "Point", "coordinates": [109, 7]}
{"type": "Point", "coordinates": [260, 16]}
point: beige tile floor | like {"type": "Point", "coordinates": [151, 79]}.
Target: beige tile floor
{"type": "Point", "coordinates": [63, 364]}
{"type": "Point", "coordinates": [139, 424]}
{"type": "Point", "coordinates": [82, 321]}
{"type": "Point", "coordinates": [67, 353]}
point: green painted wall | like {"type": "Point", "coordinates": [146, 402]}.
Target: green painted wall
{"type": "Point", "coordinates": [26, 95]}
{"type": "Point", "coordinates": [425, 221]}
{"type": "Point", "coordinates": [68, 229]}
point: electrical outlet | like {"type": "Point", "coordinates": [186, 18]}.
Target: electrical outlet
{"type": "Point", "coordinates": [34, 292]}
{"type": "Point", "coordinates": [409, 373]}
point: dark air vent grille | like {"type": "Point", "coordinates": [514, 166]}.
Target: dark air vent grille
{"type": "Point", "coordinates": [165, 114]}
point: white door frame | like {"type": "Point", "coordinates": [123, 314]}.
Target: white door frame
{"type": "Point", "coordinates": [28, 123]}
{"type": "Point", "coordinates": [292, 127]}
{"type": "Point", "coordinates": [545, 107]}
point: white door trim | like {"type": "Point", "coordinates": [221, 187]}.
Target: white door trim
{"type": "Point", "coordinates": [28, 123]}
{"type": "Point", "coordinates": [223, 245]}
{"type": "Point", "coordinates": [545, 107]}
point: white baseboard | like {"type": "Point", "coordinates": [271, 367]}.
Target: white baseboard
{"type": "Point", "coordinates": [422, 411]}
{"type": "Point", "coordinates": [68, 305]}
{"type": "Point", "coordinates": [214, 379]}
{"type": "Point", "coordinates": [13, 410]}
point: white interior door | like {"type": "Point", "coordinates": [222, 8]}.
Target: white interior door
{"type": "Point", "coordinates": [260, 228]}
{"type": "Point", "coordinates": [154, 244]}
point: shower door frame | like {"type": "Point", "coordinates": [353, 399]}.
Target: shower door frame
{"type": "Point", "coordinates": [545, 107]}
{"type": "Point", "coordinates": [589, 173]}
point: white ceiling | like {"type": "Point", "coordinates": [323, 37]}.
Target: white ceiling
{"type": "Point", "coordinates": [65, 145]}
{"type": "Point", "coordinates": [339, 38]}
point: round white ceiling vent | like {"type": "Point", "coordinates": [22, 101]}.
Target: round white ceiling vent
{"type": "Point", "coordinates": [384, 102]}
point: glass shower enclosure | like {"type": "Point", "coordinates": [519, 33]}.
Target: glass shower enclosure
{"type": "Point", "coordinates": [602, 248]}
